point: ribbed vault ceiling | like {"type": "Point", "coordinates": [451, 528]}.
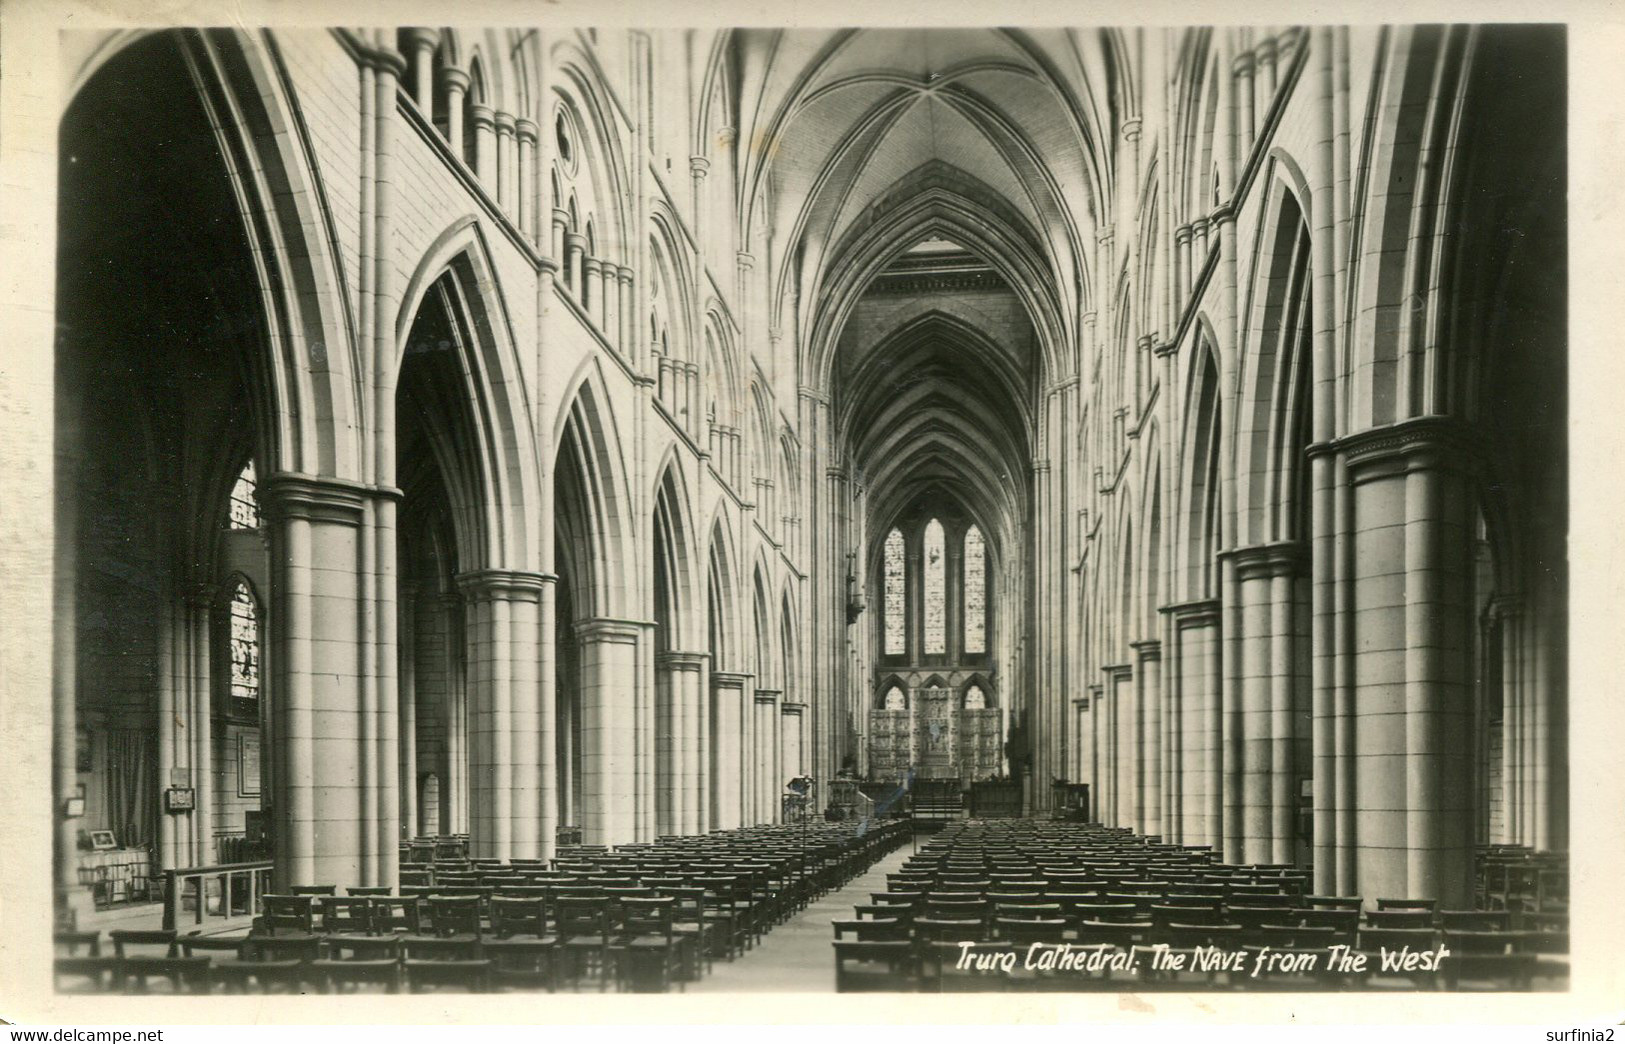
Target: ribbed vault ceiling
{"type": "Point", "coordinates": [858, 145]}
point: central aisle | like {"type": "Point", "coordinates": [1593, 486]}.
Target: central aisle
{"type": "Point", "coordinates": [796, 956]}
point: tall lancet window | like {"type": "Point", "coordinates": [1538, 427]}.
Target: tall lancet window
{"type": "Point", "coordinates": [975, 591]}
{"type": "Point", "coordinates": [895, 700]}
{"type": "Point", "coordinates": [244, 679]}
{"type": "Point", "coordinates": [245, 503]}
{"type": "Point", "coordinates": [896, 599]}
{"type": "Point", "coordinates": [936, 591]}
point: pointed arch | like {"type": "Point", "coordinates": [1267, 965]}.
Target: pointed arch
{"type": "Point", "coordinates": [593, 521]}
{"type": "Point", "coordinates": [492, 459]}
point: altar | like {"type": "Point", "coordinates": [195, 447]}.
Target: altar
{"type": "Point", "coordinates": [937, 737]}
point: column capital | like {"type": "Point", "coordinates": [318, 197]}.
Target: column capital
{"type": "Point", "coordinates": [729, 680]}
{"type": "Point", "coordinates": [699, 166]}
{"type": "Point", "coordinates": [1243, 64]}
{"type": "Point", "coordinates": [1147, 650]}
{"type": "Point", "coordinates": [421, 36]}
{"type": "Point", "coordinates": [1131, 128]}
{"type": "Point", "coordinates": [676, 660]}
{"type": "Point", "coordinates": [481, 117]}
{"type": "Point", "coordinates": [726, 136]}
{"type": "Point", "coordinates": [504, 122]}
{"type": "Point", "coordinates": [592, 264]}
{"type": "Point", "coordinates": [1279, 558]}
{"type": "Point", "coordinates": [511, 584]}
{"type": "Point", "coordinates": [453, 79]}
{"type": "Point", "coordinates": [1145, 341]}
{"type": "Point", "coordinates": [382, 58]}
{"type": "Point", "coordinates": [1182, 234]}
{"type": "Point", "coordinates": [745, 260]}
{"type": "Point", "coordinates": [575, 241]}
{"type": "Point", "coordinates": [623, 274]}
{"type": "Point", "coordinates": [1118, 671]}
{"type": "Point", "coordinates": [1199, 225]}
{"type": "Point", "coordinates": [288, 495]}
{"type": "Point", "coordinates": [1165, 349]}
{"type": "Point", "coordinates": [1411, 444]}
{"type": "Point", "coordinates": [608, 629]}
{"type": "Point", "coordinates": [768, 695]}
{"type": "Point", "coordinates": [1193, 614]}
{"type": "Point", "coordinates": [792, 708]}
{"type": "Point", "coordinates": [525, 129]}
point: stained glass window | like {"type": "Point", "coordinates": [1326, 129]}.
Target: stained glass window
{"type": "Point", "coordinates": [245, 504]}
{"type": "Point", "coordinates": [975, 591]}
{"type": "Point", "coordinates": [975, 698]}
{"type": "Point", "coordinates": [896, 599]}
{"type": "Point", "coordinates": [895, 700]}
{"type": "Point", "coordinates": [245, 645]}
{"type": "Point", "coordinates": [936, 591]}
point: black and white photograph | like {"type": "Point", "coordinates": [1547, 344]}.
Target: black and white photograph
{"type": "Point", "coordinates": [552, 508]}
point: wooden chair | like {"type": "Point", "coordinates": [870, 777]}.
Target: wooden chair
{"type": "Point", "coordinates": [355, 975]}
{"type": "Point", "coordinates": [180, 974]}
{"type": "Point", "coordinates": [584, 926]}
{"type": "Point", "coordinates": [646, 949]}
{"type": "Point", "coordinates": [85, 974]}
{"type": "Point", "coordinates": [370, 890]}
{"type": "Point", "coordinates": [68, 943]}
{"type": "Point", "coordinates": [288, 914]}
{"type": "Point", "coordinates": [696, 934]}
{"type": "Point", "coordinates": [454, 915]}
{"type": "Point", "coordinates": [347, 915]}
{"type": "Point", "coordinates": [131, 943]}
{"type": "Point", "coordinates": [470, 975]}
{"type": "Point", "coordinates": [1475, 920]}
{"type": "Point", "coordinates": [396, 914]}
{"type": "Point", "coordinates": [1399, 918]}
{"type": "Point", "coordinates": [313, 890]}
{"type": "Point", "coordinates": [875, 966]}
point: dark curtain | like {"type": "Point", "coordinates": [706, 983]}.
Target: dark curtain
{"type": "Point", "coordinates": [131, 787]}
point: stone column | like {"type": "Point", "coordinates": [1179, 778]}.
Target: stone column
{"type": "Point", "coordinates": [1267, 718]}
{"type": "Point", "coordinates": [421, 44]}
{"type": "Point", "coordinates": [727, 703]}
{"type": "Point", "coordinates": [608, 650]}
{"type": "Point", "coordinates": [769, 779]}
{"type": "Point", "coordinates": [1182, 262]}
{"type": "Point", "coordinates": [503, 183]}
{"type": "Point", "coordinates": [324, 757]}
{"type": "Point", "coordinates": [627, 327]}
{"type": "Point", "coordinates": [560, 236]}
{"type": "Point", "coordinates": [1193, 683]}
{"type": "Point", "coordinates": [408, 707]}
{"type": "Point", "coordinates": [528, 191]}
{"type": "Point", "coordinates": [590, 285]}
{"type": "Point", "coordinates": [1246, 119]}
{"type": "Point", "coordinates": [1412, 729]}
{"type": "Point", "coordinates": [454, 781]}
{"type": "Point", "coordinates": [1148, 691]}
{"type": "Point", "coordinates": [485, 146]}
{"type": "Point", "coordinates": [792, 755]}
{"type": "Point", "coordinates": [682, 673]}
{"type": "Point", "coordinates": [575, 247]}
{"type": "Point", "coordinates": [455, 83]}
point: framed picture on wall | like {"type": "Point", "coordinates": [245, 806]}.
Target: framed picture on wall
{"type": "Point", "coordinates": [248, 764]}
{"type": "Point", "coordinates": [103, 840]}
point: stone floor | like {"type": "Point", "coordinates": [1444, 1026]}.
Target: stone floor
{"type": "Point", "coordinates": [796, 956]}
